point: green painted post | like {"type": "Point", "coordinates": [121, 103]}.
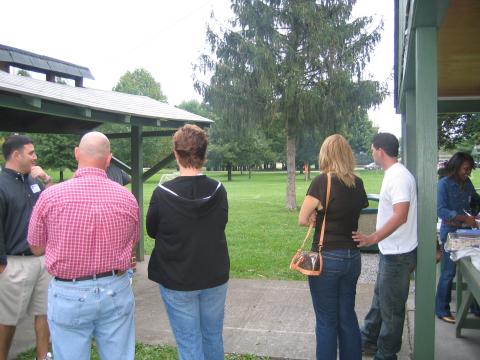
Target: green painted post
{"type": "Point", "coordinates": [137, 183]}
{"type": "Point", "coordinates": [426, 147]}
{"type": "Point", "coordinates": [403, 144]}
{"type": "Point", "coordinates": [411, 133]}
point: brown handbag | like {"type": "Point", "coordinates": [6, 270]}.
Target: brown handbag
{"type": "Point", "coordinates": [310, 262]}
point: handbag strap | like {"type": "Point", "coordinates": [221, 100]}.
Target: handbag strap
{"type": "Point", "coordinates": [322, 233]}
{"type": "Point", "coordinates": [320, 243]}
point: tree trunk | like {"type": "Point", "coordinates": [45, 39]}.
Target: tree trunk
{"type": "Point", "coordinates": [61, 175]}
{"type": "Point", "coordinates": [291, 201]}
{"type": "Point", "coordinates": [229, 172]}
{"type": "Point", "coordinates": [249, 172]}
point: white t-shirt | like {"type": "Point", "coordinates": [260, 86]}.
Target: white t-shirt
{"type": "Point", "coordinates": [398, 186]}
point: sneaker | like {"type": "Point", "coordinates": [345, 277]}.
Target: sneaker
{"type": "Point", "coordinates": [448, 319]}
{"type": "Point", "coordinates": [48, 356]}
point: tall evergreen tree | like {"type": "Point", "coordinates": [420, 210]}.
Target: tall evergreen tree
{"type": "Point", "coordinates": [297, 63]}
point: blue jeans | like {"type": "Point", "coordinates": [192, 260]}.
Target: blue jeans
{"type": "Point", "coordinates": [102, 308]}
{"type": "Point", "coordinates": [448, 270]}
{"type": "Point", "coordinates": [383, 326]}
{"type": "Point", "coordinates": [196, 318]}
{"type": "Point", "coordinates": [333, 298]}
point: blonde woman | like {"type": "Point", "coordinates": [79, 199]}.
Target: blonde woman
{"type": "Point", "coordinates": [333, 292]}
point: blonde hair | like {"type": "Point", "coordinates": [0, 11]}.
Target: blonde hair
{"type": "Point", "coordinates": [336, 157]}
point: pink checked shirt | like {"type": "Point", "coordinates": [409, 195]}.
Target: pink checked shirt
{"type": "Point", "coordinates": [87, 225]}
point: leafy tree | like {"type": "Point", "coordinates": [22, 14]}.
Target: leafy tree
{"type": "Point", "coordinates": [227, 147]}
{"type": "Point", "coordinates": [297, 63]}
{"type": "Point", "coordinates": [140, 82]}
{"type": "Point", "coordinates": [196, 108]}
{"type": "Point", "coordinates": [25, 73]}
{"type": "Point", "coordinates": [461, 131]}
{"type": "Point", "coordinates": [359, 132]}
{"type": "Point", "coordinates": [56, 151]}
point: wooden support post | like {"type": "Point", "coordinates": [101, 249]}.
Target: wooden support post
{"type": "Point", "coordinates": [137, 183]}
{"type": "Point", "coordinates": [49, 76]}
{"type": "Point", "coordinates": [426, 176]}
{"type": "Point", "coordinates": [78, 82]}
{"type": "Point", "coordinates": [4, 67]}
{"type": "Point", "coordinates": [410, 134]}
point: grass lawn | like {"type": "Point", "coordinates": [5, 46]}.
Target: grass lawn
{"type": "Point", "coordinates": [262, 235]}
{"type": "Point", "coordinates": [148, 352]}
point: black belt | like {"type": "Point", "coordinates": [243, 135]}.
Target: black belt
{"type": "Point", "coordinates": [24, 253]}
{"type": "Point", "coordinates": [95, 276]}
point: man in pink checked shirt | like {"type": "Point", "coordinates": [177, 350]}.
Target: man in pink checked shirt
{"type": "Point", "coordinates": [87, 227]}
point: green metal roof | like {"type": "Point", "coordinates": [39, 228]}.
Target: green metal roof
{"type": "Point", "coordinates": [35, 62]}
{"type": "Point", "coordinates": [33, 105]}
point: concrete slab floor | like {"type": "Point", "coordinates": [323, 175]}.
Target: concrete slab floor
{"type": "Point", "coordinates": [269, 318]}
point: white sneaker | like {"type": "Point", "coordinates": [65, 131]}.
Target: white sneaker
{"type": "Point", "coordinates": [47, 357]}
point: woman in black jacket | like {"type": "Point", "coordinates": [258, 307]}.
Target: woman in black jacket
{"type": "Point", "coordinates": [187, 217]}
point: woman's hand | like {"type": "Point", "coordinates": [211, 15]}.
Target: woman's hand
{"type": "Point", "coordinates": [469, 220]}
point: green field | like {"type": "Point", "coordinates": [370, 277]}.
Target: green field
{"type": "Point", "coordinates": [261, 233]}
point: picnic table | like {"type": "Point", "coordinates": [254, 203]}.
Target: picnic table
{"type": "Point", "coordinates": [468, 288]}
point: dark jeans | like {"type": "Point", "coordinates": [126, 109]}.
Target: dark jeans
{"type": "Point", "coordinates": [333, 297]}
{"type": "Point", "coordinates": [443, 296]}
{"type": "Point", "coordinates": [383, 325]}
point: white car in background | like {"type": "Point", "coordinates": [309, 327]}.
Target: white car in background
{"type": "Point", "coordinates": [372, 166]}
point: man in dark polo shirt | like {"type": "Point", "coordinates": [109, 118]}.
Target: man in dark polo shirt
{"type": "Point", "coordinates": [116, 174]}
{"type": "Point", "coordinates": [23, 278]}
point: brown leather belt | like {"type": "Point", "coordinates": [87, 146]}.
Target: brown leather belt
{"type": "Point", "coordinates": [95, 276]}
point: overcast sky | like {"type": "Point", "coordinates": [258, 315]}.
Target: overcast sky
{"type": "Point", "coordinates": [164, 36]}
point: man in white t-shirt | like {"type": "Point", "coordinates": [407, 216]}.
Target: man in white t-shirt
{"type": "Point", "coordinates": [396, 235]}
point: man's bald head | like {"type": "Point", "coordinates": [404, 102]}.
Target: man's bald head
{"type": "Point", "coordinates": [93, 151]}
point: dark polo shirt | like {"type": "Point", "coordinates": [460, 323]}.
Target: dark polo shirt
{"type": "Point", "coordinates": [18, 195]}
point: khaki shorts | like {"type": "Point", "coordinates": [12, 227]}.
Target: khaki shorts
{"type": "Point", "coordinates": [23, 288]}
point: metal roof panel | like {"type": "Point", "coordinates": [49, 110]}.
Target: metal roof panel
{"type": "Point", "coordinates": [103, 100]}
{"type": "Point", "coordinates": [20, 59]}
{"type": "Point", "coordinates": [5, 55]}
{"type": "Point", "coordinates": [27, 58]}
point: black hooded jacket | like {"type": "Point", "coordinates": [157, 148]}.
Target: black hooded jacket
{"type": "Point", "coordinates": [187, 218]}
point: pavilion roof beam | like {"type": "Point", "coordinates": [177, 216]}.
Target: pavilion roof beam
{"type": "Point", "coordinates": [419, 15]}
{"type": "Point", "coordinates": [144, 134]}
